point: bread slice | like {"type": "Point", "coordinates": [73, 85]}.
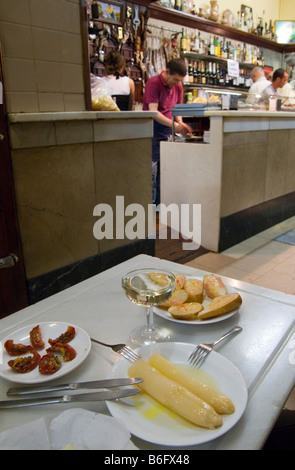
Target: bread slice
{"type": "Point", "coordinates": [214, 285]}
{"type": "Point", "coordinates": [187, 311]}
{"type": "Point", "coordinates": [221, 305]}
{"type": "Point", "coordinates": [194, 289]}
{"type": "Point", "coordinates": [178, 297]}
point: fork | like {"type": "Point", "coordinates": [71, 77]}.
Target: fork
{"type": "Point", "coordinates": [122, 349]}
{"type": "Point", "coordinates": [200, 353]}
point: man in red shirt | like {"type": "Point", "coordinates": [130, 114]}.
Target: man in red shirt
{"type": "Point", "coordinates": [162, 93]}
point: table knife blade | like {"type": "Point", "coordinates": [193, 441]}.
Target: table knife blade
{"type": "Point", "coordinates": [106, 383]}
{"type": "Point", "coordinates": [82, 397]}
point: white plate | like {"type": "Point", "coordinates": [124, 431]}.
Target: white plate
{"type": "Point", "coordinates": [162, 312]}
{"type": "Point", "coordinates": [81, 343]}
{"type": "Point", "coordinates": [165, 428]}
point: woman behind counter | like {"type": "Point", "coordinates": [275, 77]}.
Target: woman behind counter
{"type": "Point", "coordinates": [122, 87]}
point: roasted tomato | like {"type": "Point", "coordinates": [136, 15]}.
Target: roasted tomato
{"type": "Point", "coordinates": [68, 353]}
{"type": "Point", "coordinates": [22, 365]}
{"type": "Point", "coordinates": [36, 338]}
{"type": "Point", "coordinates": [64, 337]}
{"type": "Point", "coordinates": [16, 349]}
{"type": "Point", "coordinates": [49, 364]}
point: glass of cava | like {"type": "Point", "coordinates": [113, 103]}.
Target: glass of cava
{"type": "Point", "coordinates": [149, 287]}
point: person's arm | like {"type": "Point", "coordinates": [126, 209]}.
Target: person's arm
{"type": "Point", "coordinates": [132, 93]}
{"type": "Point", "coordinates": [179, 126]}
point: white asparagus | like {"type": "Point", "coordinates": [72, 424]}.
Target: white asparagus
{"type": "Point", "coordinates": [174, 396]}
{"type": "Point", "coordinates": [221, 403]}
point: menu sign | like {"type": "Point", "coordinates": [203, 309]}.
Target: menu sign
{"type": "Point", "coordinates": [233, 68]}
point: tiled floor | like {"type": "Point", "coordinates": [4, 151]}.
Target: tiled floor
{"type": "Point", "coordinates": [260, 260]}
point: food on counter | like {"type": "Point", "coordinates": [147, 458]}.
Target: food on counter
{"type": "Point", "coordinates": [174, 396]}
{"type": "Point", "coordinates": [36, 338]}
{"type": "Point", "coordinates": [22, 365]}
{"type": "Point", "coordinates": [68, 353]}
{"type": "Point", "coordinates": [214, 286]}
{"type": "Point", "coordinates": [221, 403]}
{"type": "Point", "coordinates": [180, 281]}
{"type": "Point", "coordinates": [178, 297]}
{"type": "Point", "coordinates": [196, 299]}
{"type": "Point", "coordinates": [15, 349]}
{"type": "Point", "coordinates": [158, 278]}
{"type": "Point", "coordinates": [186, 311]}
{"type": "Point", "coordinates": [194, 289]}
{"type": "Point", "coordinates": [221, 305]}
{"type": "Point", "coordinates": [49, 364]}
{"type": "Point", "coordinates": [64, 337]}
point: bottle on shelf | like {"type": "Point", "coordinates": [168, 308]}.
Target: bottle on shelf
{"type": "Point", "coordinates": [196, 42]}
{"type": "Point", "coordinates": [177, 5]}
{"type": "Point", "coordinates": [212, 49]}
{"type": "Point", "coordinates": [187, 41]}
{"type": "Point", "coordinates": [183, 41]}
{"type": "Point", "coordinates": [260, 28]}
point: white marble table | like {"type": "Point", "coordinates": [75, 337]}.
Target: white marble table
{"type": "Point", "coordinates": [263, 352]}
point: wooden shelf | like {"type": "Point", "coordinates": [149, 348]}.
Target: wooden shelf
{"type": "Point", "coordinates": [213, 58]}
{"type": "Point", "coordinates": [191, 21]}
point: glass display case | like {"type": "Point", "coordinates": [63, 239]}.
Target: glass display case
{"type": "Point", "coordinates": [198, 102]}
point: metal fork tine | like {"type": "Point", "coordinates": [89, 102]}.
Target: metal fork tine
{"type": "Point", "coordinates": [200, 359]}
{"type": "Point", "coordinates": [129, 354]}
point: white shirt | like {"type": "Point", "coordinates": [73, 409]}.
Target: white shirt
{"type": "Point", "coordinates": [257, 88]}
{"type": "Point", "coordinates": [119, 86]}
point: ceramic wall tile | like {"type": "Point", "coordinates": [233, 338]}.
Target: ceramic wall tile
{"type": "Point", "coordinates": [277, 163]}
{"type": "Point", "coordinates": [30, 135]}
{"type": "Point", "coordinates": [51, 102]}
{"type": "Point", "coordinates": [19, 75]}
{"type": "Point", "coordinates": [243, 168]}
{"type": "Point", "coordinates": [48, 76]}
{"type": "Point", "coordinates": [68, 132]}
{"type": "Point", "coordinates": [112, 163]}
{"type": "Point", "coordinates": [16, 41]}
{"type": "Point", "coordinates": [22, 102]}
{"type": "Point", "coordinates": [55, 198]}
{"type": "Point", "coordinates": [9, 9]}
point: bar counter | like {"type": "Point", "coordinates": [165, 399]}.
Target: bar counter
{"type": "Point", "coordinates": [244, 178]}
{"type": "Point", "coordinates": [64, 164]}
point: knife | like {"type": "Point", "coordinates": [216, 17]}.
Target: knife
{"type": "Point", "coordinates": [96, 396]}
{"type": "Point", "coordinates": [106, 383]}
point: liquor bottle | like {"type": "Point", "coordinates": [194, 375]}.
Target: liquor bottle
{"type": "Point", "coordinates": [216, 47]}
{"type": "Point", "coordinates": [199, 73]}
{"type": "Point", "coordinates": [188, 41]}
{"type": "Point", "coordinates": [211, 79]}
{"type": "Point", "coordinates": [217, 80]}
{"type": "Point", "coordinates": [195, 71]}
{"type": "Point", "coordinates": [224, 56]}
{"type": "Point", "coordinates": [183, 41]}
{"type": "Point", "coordinates": [196, 43]}
{"type": "Point", "coordinates": [211, 50]}
{"type": "Point", "coordinates": [214, 76]}
{"type": "Point", "coordinates": [271, 31]}
{"type": "Point", "coordinates": [177, 5]}
{"type": "Point", "coordinates": [260, 27]}
{"type": "Point", "coordinates": [190, 73]}
{"type": "Point", "coordinates": [203, 75]}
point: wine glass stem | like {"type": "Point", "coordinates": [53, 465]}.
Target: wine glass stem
{"type": "Point", "coordinates": [150, 320]}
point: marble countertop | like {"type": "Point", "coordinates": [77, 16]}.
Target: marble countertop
{"type": "Point", "coordinates": [78, 116]}
{"type": "Point", "coordinates": [251, 113]}
{"type": "Point", "coordinates": [263, 352]}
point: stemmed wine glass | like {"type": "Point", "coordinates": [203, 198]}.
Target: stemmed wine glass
{"type": "Point", "coordinates": [148, 287]}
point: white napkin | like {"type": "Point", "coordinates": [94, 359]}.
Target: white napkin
{"type": "Point", "coordinates": [72, 429]}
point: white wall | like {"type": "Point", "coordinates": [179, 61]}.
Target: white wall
{"type": "Point", "coordinates": [271, 8]}
{"type": "Point", "coordinates": [287, 10]}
